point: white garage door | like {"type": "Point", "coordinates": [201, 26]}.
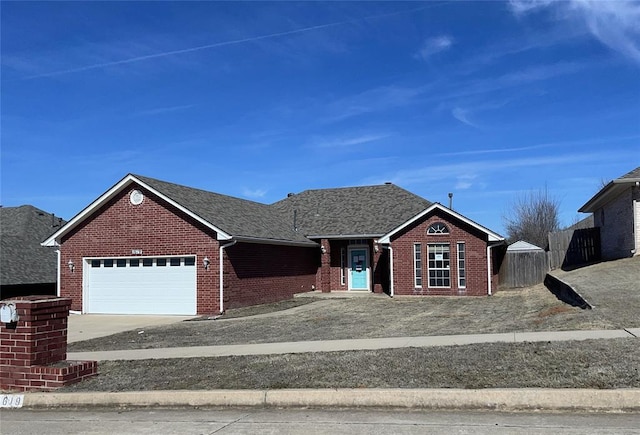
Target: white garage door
{"type": "Point", "coordinates": [164, 285]}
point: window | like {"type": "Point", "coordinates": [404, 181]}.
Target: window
{"type": "Point", "coordinates": [175, 261]}
{"type": "Point", "coordinates": [95, 263]}
{"type": "Point", "coordinates": [161, 262]}
{"type": "Point", "coordinates": [190, 261]}
{"type": "Point", "coordinates": [417, 265]}
{"type": "Point", "coordinates": [108, 263]}
{"type": "Point", "coordinates": [462, 273]}
{"type": "Point", "coordinates": [439, 272]}
{"type": "Point", "coordinates": [121, 262]}
{"type": "Point", "coordinates": [147, 262]}
{"type": "Point", "coordinates": [438, 228]}
{"type": "Point", "coordinates": [343, 265]}
{"type": "Point", "coordinates": [134, 262]}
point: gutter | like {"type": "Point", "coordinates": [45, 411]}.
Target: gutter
{"type": "Point", "coordinates": [221, 270]}
{"type": "Point", "coordinates": [489, 246]}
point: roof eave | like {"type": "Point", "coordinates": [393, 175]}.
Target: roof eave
{"type": "Point", "coordinates": [613, 188]}
{"type": "Point", "coordinates": [344, 236]}
{"type": "Point", "coordinates": [267, 241]}
{"type": "Point", "coordinates": [53, 240]}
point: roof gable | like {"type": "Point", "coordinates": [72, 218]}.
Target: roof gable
{"type": "Point", "coordinates": [491, 236]}
{"type": "Point", "coordinates": [351, 211]}
{"type": "Point", "coordinates": [229, 217]}
{"type": "Point", "coordinates": [611, 191]}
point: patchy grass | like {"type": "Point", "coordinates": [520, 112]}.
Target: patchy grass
{"type": "Point", "coordinates": [612, 287]}
{"type": "Point", "coordinates": [578, 364]}
{"type": "Point", "coordinates": [257, 310]}
{"type": "Point", "coordinates": [531, 309]}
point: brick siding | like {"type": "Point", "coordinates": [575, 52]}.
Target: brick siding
{"type": "Point", "coordinates": [616, 223]}
{"type": "Point", "coordinates": [258, 274]}
{"type": "Point", "coordinates": [476, 257]}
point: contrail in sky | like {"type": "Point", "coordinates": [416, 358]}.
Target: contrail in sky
{"type": "Point", "coordinates": [216, 45]}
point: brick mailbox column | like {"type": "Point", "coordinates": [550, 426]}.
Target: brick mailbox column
{"type": "Point", "coordinates": [33, 350]}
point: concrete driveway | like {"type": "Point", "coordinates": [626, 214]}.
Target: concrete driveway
{"type": "Point", "coordinates": [87, 326]}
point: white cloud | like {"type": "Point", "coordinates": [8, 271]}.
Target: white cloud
{"type": "Point", "coordinates": [434, 45]}
{"type": "Point", "coordinates": [347, 141]}
{"type": "Point", "coordinates": [462, 115]}
{"type": "Point", "coordinates": [615, 24]}
{"type": "Point", "coordinates": [255, 193]}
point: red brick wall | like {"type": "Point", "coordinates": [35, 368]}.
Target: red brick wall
{"type": "Point", "coordinates": [257, 274]}
{"type": "Point", "coordinates": [154, 227]}
{"type": "Point", "coordinates": [34, 349]}
{"type": "Point", "coordinates": [476, 257]}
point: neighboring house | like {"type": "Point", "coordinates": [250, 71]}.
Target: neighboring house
{"type": "Point", "coordinates": [26, 267]}
{"type": "Point", "coordinates": [151, 247]}
{"type": "Point", "coordinates": [616, 211]}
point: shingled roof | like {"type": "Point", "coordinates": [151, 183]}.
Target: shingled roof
{"type": "Point", "coordinates": [235, 216]}
{"type": "Point", "coordinates": [351, 211]}
{"type": "Point", "coordinates": [23, 260]}
{"type": "Point", "coordinates": [342, 212]}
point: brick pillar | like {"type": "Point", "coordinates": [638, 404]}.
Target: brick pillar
{"type": "Point", "coordinates": [33, 350]}
{"type": "Point", "coordinates": [325, 267]}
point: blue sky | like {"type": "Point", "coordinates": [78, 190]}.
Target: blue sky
{"type": "Point", "coordinates": [488, 100]}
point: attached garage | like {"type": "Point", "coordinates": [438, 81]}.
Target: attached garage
{"type": "Point", "coordinates": [160, 285]}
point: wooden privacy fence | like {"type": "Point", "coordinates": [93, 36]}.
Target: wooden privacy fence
{"type": "Point", "coordinates": [523, 268]}
{"type": "Point", "coordinates": [574, 247]}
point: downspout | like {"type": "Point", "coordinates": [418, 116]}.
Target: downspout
{"type": "Point", "coordinates": [58, 273]}
{"type": "Point", "coordinates": [220, 269]}
{"type": "Point", "coordinates": [391, 293]}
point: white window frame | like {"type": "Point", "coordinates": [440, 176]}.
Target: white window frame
{"type": "Point", "coordinates": [462, 264]}
{"type": "Point", "coordinates": [430, 268]}
{"type": "Point", "coordinates": [417, 265]}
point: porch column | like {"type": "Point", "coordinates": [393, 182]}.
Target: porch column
{"type": "Point", "coordinates": [325, 266]}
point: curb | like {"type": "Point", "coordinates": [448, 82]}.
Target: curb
{"type": "Point", "coordinates": [528, 399]}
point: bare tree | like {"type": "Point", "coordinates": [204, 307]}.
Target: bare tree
{"type": "Point", "coordinates": [532, 216]}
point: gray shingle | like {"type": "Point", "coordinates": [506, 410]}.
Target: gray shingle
{"type": "Point", "coordinates": [631, 174]}
{"type": "Point", "coordinates": [366, 210]}
{"type": "Point", "coordinates": [235, 216]}
{"type": "Point", "coordinates": [22, 259]}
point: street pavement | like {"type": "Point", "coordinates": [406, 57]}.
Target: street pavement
{"type": "Point", "coordinates": [312, 421]}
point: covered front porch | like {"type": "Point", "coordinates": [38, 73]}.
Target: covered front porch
{"type": "Point", "coordinates": [352, 265]}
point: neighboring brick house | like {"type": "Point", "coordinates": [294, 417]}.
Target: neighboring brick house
{"type": "Point", "coordinates": [151, 247]}
{"type": "Point", "coordinates": [26, 267]}
{"type": "Point", "coordinates": [616, 211]}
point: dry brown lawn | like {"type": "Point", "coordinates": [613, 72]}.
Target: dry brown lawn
{"type": "Point", "coordinates": [531, 309]}
{"type": "Point", "coordinates": [585, 364]}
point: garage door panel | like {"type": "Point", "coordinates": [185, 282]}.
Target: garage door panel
{"type": "Point", "coordinates": [141, 290]}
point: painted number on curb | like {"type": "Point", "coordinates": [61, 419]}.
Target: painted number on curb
{"type": "Point", "coordinates": [11, 400]}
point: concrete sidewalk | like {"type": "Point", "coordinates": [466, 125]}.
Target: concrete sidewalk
{"type": "Point", "coordinates": [352, 344]}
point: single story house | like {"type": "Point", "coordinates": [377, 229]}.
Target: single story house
{"type": "Point", "coordinates": [147, 246]}
{"type": "Point", "coordinates": [616, 211]}
{"type": "Point", "coordinates": [26, 267]}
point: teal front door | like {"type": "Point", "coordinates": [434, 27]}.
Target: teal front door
{"type": "Point", "coordinates": [358, 269]}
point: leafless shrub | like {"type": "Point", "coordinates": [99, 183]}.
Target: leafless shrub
{"type": "Point", "coordinates": [532, 216]}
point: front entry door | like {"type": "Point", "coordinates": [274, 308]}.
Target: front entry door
{"type": "Point", "coordinates": [358, 269]}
